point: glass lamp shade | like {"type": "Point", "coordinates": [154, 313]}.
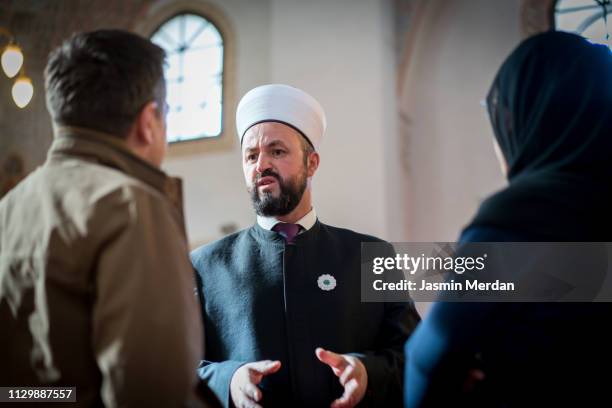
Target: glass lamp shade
{"type": "Point", "coordinates": [11, 60]}
{"type": "Point", "coordinates": [22, 91]}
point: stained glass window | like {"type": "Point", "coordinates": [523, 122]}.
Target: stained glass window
{"type": "Point", "coordinates": [194, 76]}
{"type": "Point", "coordinates": [589, 18]}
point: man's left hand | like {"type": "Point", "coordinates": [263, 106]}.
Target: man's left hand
{"type": "Point", "coordinates": [352, 374]}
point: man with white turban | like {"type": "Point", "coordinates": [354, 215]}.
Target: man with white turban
{"type": "Point", "coordinates": [285, 325]}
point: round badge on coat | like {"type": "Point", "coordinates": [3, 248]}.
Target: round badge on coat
{"type": "Point", "coordinates": [326, 282]}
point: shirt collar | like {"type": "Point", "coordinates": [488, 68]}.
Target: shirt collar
{"type": "Point", "coordinates": [306, 222]}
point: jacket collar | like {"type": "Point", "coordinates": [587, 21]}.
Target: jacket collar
{"type": "Point", "coordinates": [111, 151]}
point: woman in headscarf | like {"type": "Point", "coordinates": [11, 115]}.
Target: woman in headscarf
{"type": "Point", "coordinates": [551, 110]}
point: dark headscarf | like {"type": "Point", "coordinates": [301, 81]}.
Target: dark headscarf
{"type": "Point", "coordinates": [551, 110]}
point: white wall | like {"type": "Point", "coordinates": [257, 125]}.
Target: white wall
{"type": "Point", "coordinates": [340, 52]}
{"type": "Point", "coordinates": [336, 50]}
{"type": "Point", "coordinates": [214, 188]}
{"type": "Point", "coordinates": [459, 47]}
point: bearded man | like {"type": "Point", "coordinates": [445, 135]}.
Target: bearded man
{"type": "Point", "coordinates": [285, 325]}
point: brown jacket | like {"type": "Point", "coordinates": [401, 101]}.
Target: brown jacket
{"type": "Point", "coordinates": [96, 287]}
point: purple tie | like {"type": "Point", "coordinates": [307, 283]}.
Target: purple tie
{"type": "Point", "coordinates": [288, 231]}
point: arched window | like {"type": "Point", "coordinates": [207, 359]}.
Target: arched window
{"type": "Point", "coordinates": [588, 18]}
{"type": "Point", "coordinates": [194, 76]}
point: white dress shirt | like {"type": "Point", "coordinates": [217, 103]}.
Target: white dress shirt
{"type": "Point", "coordinates": [306, 222]}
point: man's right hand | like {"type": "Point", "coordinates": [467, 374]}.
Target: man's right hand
{"type": "Point", "coordinates": [243, 386]}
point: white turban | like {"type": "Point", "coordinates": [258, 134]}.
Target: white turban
{"type": "Point", "coordinates": [284, 104]}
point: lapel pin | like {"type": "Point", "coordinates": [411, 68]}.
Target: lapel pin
{"type": "Point", "coordinates": [326, 282]}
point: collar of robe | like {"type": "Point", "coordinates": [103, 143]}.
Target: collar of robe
{"type": "Point", "coordinates": [265, 236]}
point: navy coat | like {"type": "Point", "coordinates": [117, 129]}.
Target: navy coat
{"type": "Point", "coordinates": [261, 300]}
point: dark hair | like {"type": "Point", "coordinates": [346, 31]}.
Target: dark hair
{"type": "Point", "coordinates": [307, 148]}
{"type": "Point", "coordinates": [102, 79]}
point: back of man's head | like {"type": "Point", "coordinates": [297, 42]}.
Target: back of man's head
{"type": "Point", "coordinates": [102, 79]}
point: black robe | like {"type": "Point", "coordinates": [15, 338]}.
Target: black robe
{"type": "Point", "coordinates": [261, 300]}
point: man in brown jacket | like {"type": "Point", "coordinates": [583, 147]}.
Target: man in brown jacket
{"type": "Point", "coordinates": [96, 287]}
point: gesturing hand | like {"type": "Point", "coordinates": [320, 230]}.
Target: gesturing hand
{"type": "Point", "coordinates": [352, 374]}
{"type": "Point", "coordinates": [243, 386]}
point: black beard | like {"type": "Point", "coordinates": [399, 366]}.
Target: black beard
{"type": "Point", "coordinates": [291, 192]}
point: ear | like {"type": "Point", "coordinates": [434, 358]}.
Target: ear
{"type": "Point", "coordinates": [145, 123]}
{"type": "Point", "coordinates": [313, 163]}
